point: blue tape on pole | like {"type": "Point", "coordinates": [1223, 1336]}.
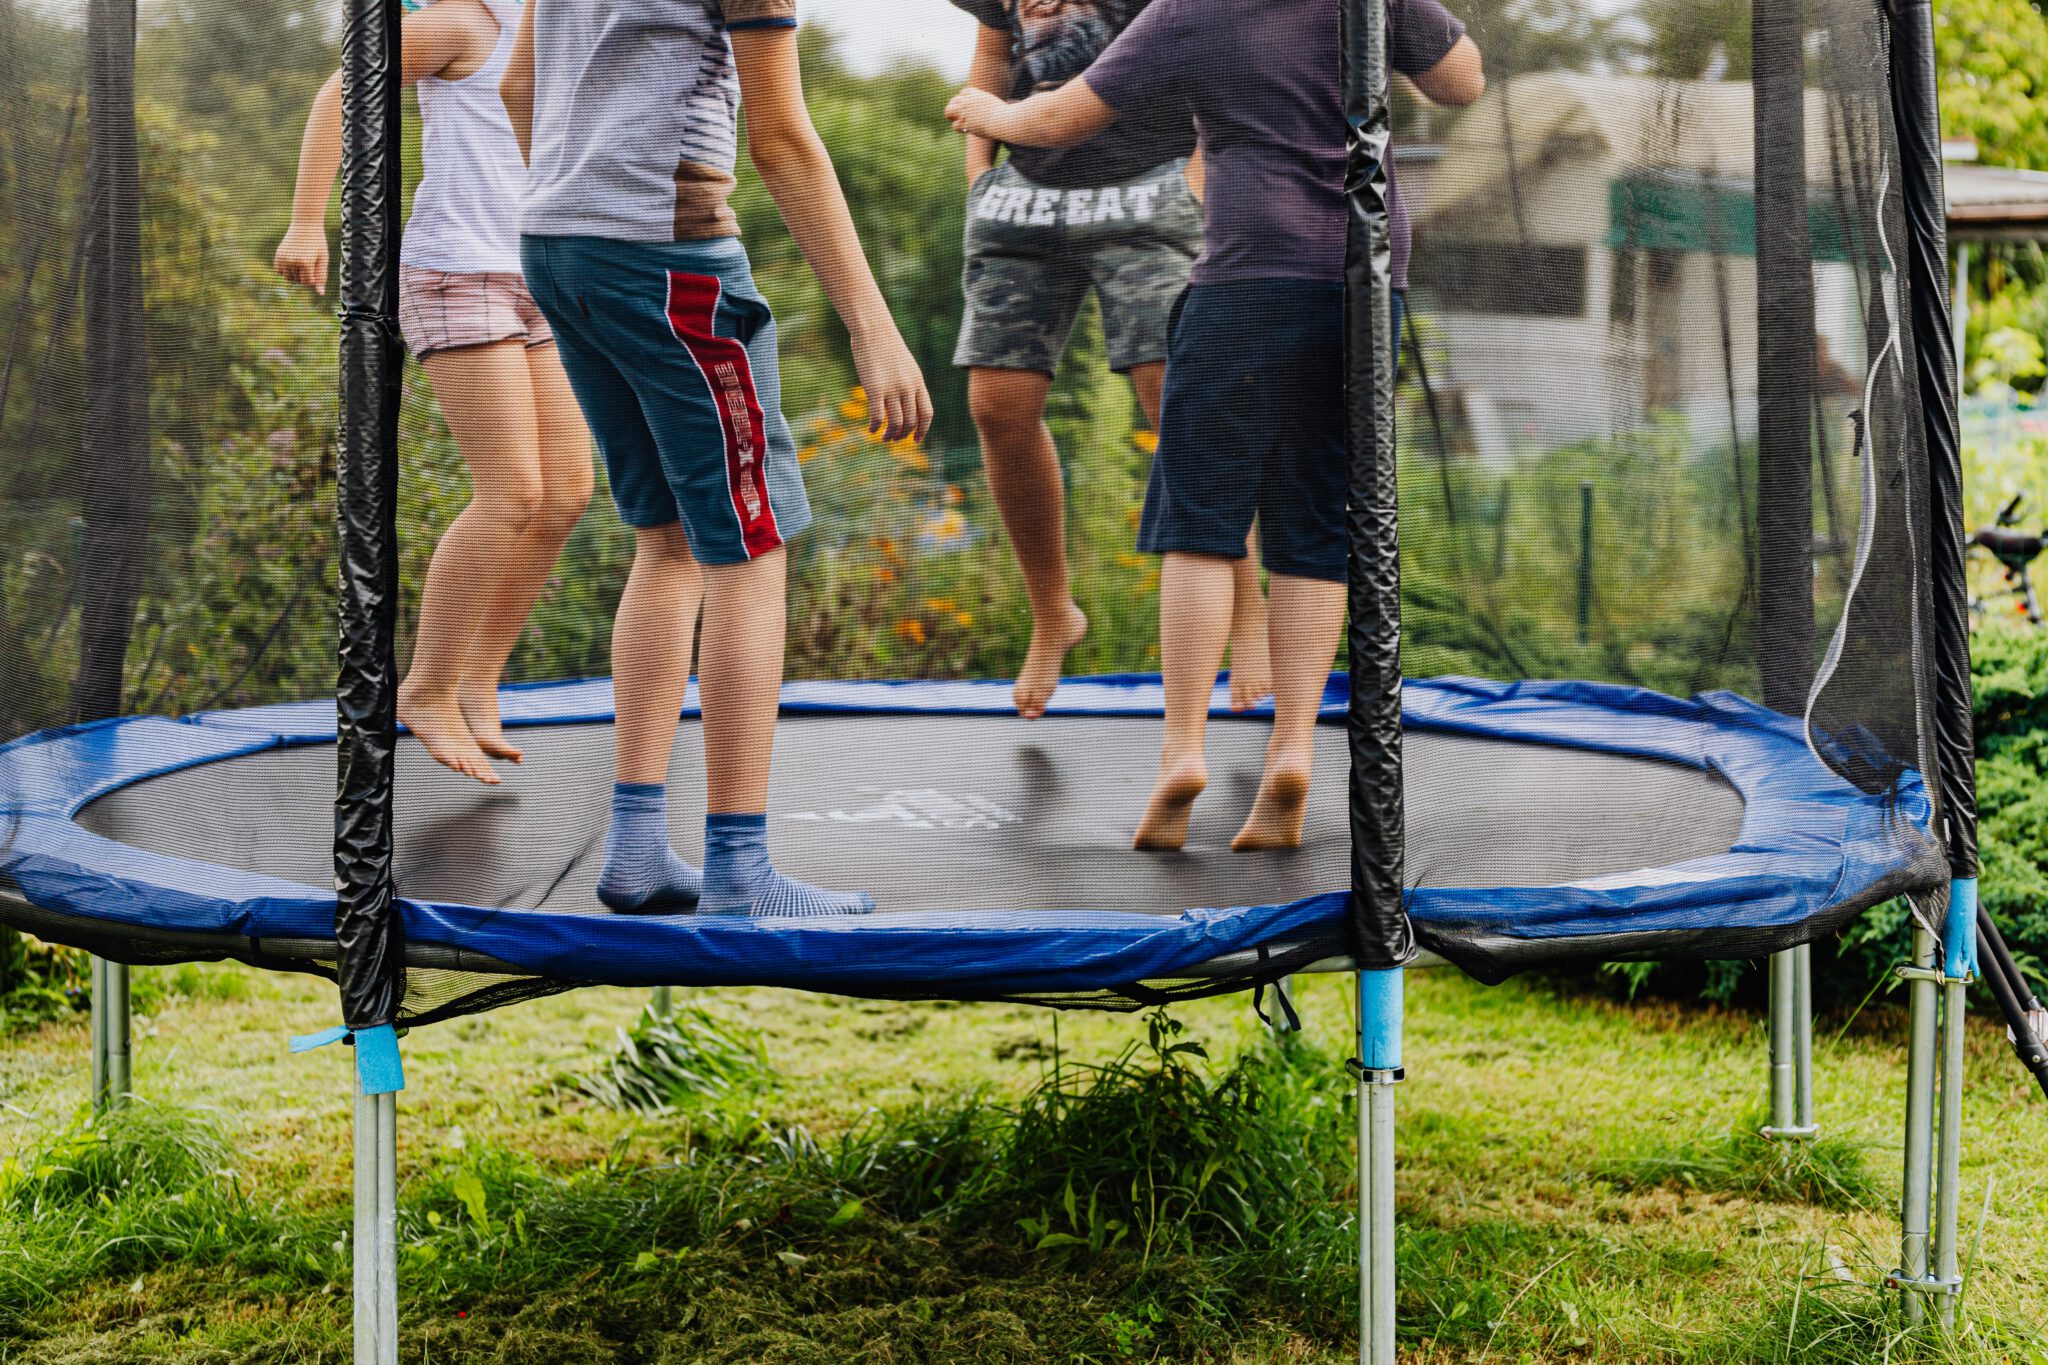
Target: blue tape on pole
{"type": "Point", "coordinates": [1959, 934]}
{"type": "Point", "coordinates": [378, 1068]}
{"type": "Point", "coordinates": [307, 1042]}
{"type": "Point", "coordinates": [1379, 1020]}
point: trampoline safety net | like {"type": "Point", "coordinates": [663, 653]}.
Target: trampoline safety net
{"type": "Point", "coordinates": [883, 350]}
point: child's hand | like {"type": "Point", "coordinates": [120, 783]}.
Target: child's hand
{"type": "Point", "coordinates": [898, 403]}
{"type": "Point", "coordinates": [977, 113]}
{"type": "Point", "coordinates": [302, 256]}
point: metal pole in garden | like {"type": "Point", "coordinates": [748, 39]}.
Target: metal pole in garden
{"type": "Point", "coordinates": [1917, 117]}
{"type": "Point", "coordinates": [370, 970]}
{"type": "Point", "coordinates": [1786, 364]}
{"type": "Point", "coordinates": [1915, 1201]}
{"type": "Point", "coordinates": [1382, 939]}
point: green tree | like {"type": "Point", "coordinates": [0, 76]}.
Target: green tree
{"type": "Point", "coordinates": [1993, 56]}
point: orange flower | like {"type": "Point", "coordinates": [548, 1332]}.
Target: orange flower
{"type": "Point", "coordinates": [964, 618]}
{"type": "Point", "coordinates": [806, 454]}
{"type": "Point", "coordinates": [884, 574]}
{"type": "Point", "coordinates": [911, 630]}
{"type": "Point", "coordinates": [1147, 441]}
{"type": "Point", "coordinates": [833, 434]}
{"type": "Point", "coordinates": [855, 408]}
{"type": "Point", "coordinates": [940, 605]}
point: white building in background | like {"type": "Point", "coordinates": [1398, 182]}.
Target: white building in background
{"type": "Point", "coordinates": [1585, 256]}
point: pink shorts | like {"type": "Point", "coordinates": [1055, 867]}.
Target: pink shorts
{"type": "Point", "coordinates": [439, 310]}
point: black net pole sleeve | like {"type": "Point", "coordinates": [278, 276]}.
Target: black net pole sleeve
{"type": "Point", "coordinates": [1917, 115]}
{"type": "Point", "coordinates": [116, 447]}
{"type": "Point", "coordinates": [1785, 357]}
{"type": "Point", "coordinates": [1379, 924]}
{"type": "Point", "coordinates": [366, 498]}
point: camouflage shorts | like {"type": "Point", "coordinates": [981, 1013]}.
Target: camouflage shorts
{"type": "Point", "coordinates": [1034, 252]}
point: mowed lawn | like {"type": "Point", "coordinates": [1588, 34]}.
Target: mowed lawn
{"type": "Point", "coordinates": [1574, 1185]}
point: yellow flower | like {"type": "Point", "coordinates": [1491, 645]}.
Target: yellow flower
{"type": "Point", "coordinates": [855, 408]}
{"type": "Point", "coordinates": [1134, 516]}
{"type": "Point", "coordinates": [941, 605]}
{"type": "Point", "coordinates": [833, 434]}
{"type": "Point", "coordinates": [965, 618]}
{"type": "Point", "coordinates": [806, 454]}
{"type": "Point", "coordinates": [1147, 441]}
{"type": "Point", "coordinates": [1133, 561]}
{"type": "Point", "coordinates": [884, 574]}
{"type": "Point", "coordinates": [911, 630]}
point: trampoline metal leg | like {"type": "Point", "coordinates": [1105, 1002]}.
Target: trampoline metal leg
{"type": "Point", "coordinates": [662, 1003]}
{"type": "Point", "coordinates": [1791, 1044]}
{"type": "Point", "coordinates": [1949, 1148]}
{"type": "Point", "coordinates": [1915, 1205]}
{"type": "Point", "coordinates": [1802, 1054]}
{"type": "Point", "coordinates": [376, 1229]}
{"type": "Point", "coordinates": [112, 1076]}
{"type": "Point", "coordinates": [1379, 1071]}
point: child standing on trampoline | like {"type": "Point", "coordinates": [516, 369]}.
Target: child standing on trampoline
{"type": "Point", "coordinates": [466, 314]}
{"type": "Point", "coordinates": [627, 111]}
{"type": "Point", "coordinates": [1254, 404]}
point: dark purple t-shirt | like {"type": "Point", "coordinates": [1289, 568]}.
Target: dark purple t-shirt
{"type": "Point", "coordinates": [1270, 112]}
{"type": "Point", "coordinates": [1053, 41]}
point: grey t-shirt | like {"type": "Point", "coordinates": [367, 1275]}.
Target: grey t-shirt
{"type": "Point", "coordinates": [1053, 41]}
{"type": "Point", "coordinates": [1268, 105]}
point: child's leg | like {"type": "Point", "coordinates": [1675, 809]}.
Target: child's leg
{"type": "Point", "coordinates": [487, 399]}
{"type": "Point", "coordinates": [1023, 467]}
{"type": "Point", "coordinates": [1194, 627]}
{"type": "Point", "coordinates": [1307, 619]}
{"type": "Point", "coordinates": [651, 644]}
{"type": "Point", "coordinates": [563, 459]}
{"type": "Point", "coordinates": [1251, 671]}
{"type": "Point", "coordinates": [1251, 658]}
{"type": "Point", "coordinates": [740, 685]}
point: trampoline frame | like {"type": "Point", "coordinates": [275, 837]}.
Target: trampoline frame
{"type": "Point", "coordinates": [1942, 964]}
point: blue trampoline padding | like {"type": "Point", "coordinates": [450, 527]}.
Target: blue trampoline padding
{"type": "Point", "coordinates": [1810, 841]}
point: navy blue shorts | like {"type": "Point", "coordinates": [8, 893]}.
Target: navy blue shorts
{"type": "Point", "coordinates": [1253, 427]}
{"type": "Point", "coordinates": [671, 351]}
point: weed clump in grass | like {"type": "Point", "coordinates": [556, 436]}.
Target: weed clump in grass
{"type": "Point", "coordinates": [670, 1060]}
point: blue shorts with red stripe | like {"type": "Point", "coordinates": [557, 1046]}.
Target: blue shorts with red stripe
{"type": "Point", "coordinates": [671, 351]}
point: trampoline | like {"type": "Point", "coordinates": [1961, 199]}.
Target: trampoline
{"type": "Point", "coordinates": [1657, 640]}
{"type": "Point", "coordinates": [1546, 820]}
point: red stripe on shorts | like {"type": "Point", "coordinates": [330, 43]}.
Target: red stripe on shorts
{"type": "Point", "coordinates": [692, 306]}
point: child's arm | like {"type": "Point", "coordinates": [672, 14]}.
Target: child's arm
{"type": "Point", "coordinates": [1064, 117]}
{"type": "Point", "coordinates": [990, 72]}
{"type": "Point", "coordinates": [1458, 79]}
{"type": "Point", "coordinates": [432, 40]}
{"type": "Point", "coordinates": [795, 167]}
{"type": "Point", "coordinates": [516, 89]}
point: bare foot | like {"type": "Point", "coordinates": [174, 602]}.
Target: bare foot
{"type": "Point", "coordinates": [437, 723]}
{"type": "Point", "coordinates": [1281, 806]}
{"type": "Point", "coordinates": [480, 713]}
{"type": "Point", "coordinates": [1165, 823]}
{"type": "Point", "coordinates": [1251, 665]}
{"type": "Point", "coordinates": [1040, 676]}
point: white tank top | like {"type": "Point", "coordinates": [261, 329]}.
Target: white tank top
{"type": "Point", "coordinates": [465, 213]}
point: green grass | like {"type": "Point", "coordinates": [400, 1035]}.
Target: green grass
{"type": "Point", "coordinates": [804, 1179]}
